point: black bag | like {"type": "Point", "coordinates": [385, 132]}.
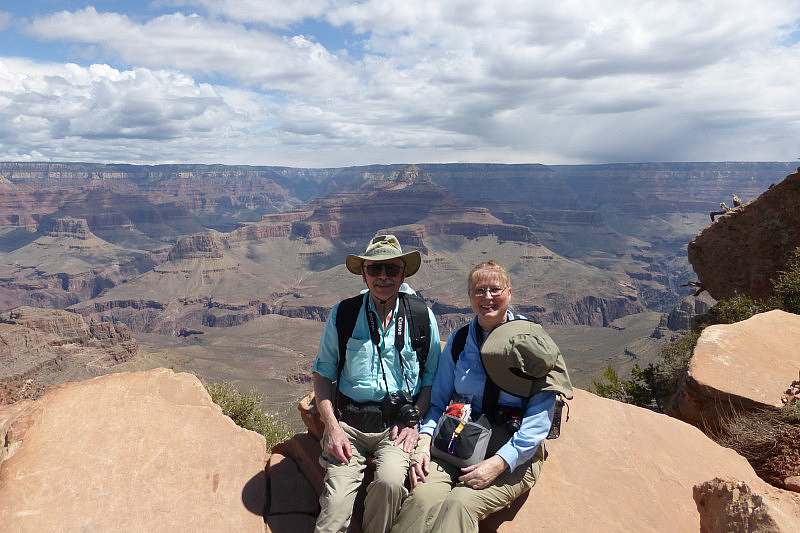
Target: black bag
{"type": "Point", "coordinates": [465, 449]}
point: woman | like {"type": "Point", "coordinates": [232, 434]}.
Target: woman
{"type": "Point", "coordinates": [446, 498]}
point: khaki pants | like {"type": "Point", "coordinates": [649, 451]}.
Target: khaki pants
{"type": "Point", "coordinates": [444, 505]}
{"type": "Point", "coordinates": [342, 480]}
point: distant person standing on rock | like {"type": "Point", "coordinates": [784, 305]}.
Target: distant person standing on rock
{"type": "Point", "coordinates": [372, 378]}
{"type": "Point", "coordinates": [723, 209]}
{"type": "Point", "coordinates": [500, 372]}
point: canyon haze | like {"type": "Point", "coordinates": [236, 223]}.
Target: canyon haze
{"type": "Point", "coordinates": [228, 271]}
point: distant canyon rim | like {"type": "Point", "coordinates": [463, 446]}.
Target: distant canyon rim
{"type": "Point", "coordinates": [195, 259]}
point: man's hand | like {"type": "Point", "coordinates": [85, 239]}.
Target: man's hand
{"type": "Point", "coordinates": [420, 465]}
{"type": "Point", "coordinates": [337, 445]}
{"type": "Point", "coordinates": [481, 475]}
{"type": "Point", "coordinates": [405, 437]}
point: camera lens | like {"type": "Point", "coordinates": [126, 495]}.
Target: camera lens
{"type": "Point", "coordinates": [409, 415]}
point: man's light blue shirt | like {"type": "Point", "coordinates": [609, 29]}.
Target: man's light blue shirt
{"type": "Point", "coordinates": [467, 379]}
{"type": "Point", "coordinates": [362, 379]}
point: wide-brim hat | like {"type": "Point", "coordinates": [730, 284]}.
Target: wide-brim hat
{"type": "Point", "coordinates": [383, 248]}
{"type": "Point", "coordinates": [521, 359]}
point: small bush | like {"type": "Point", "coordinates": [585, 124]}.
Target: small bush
{"type": "Point", "coordinates": [245, 410]}
{"type": "Point", "coordinates": [731, 310]}
{"type": "Point", "coordinates": [653, 385]}
{"type": "Point", "coordinates": [786, 287]}
{"type": "Point", "coordinates": [608, 385]}
{"type": "Point", "coordinates": [672, 364]}
{"type": "Point", "coordinates": [635, 391]}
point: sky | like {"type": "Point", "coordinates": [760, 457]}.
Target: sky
{"type": "Point", "coordinates": [330, 83]}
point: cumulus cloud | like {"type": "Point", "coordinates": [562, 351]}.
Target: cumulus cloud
{"type": "Point", "coordinates": [68, 111]}
{"type": "Point", "coordinates": [197, 45]}
{"type": "Point", "coordinates": [453, 80]}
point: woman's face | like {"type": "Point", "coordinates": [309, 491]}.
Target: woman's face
{"type": "Point", "coordinates": [490, 308]}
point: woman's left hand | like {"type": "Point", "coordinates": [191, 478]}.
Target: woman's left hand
{"type": "Point", "coordinates": [481, 475]}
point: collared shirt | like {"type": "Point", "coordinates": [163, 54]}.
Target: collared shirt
{"type": "Point", "coordinates": [362, 377]}
{"type": "Point", "coordinates": [467, 379]}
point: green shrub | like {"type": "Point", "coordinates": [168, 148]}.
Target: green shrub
{"type": "Point", "coordinates": [653, 385]}
{"type": "Point", "coordinates": [786, 287]}
{"type": "Point", "coordinates": [635, 391]}
{"type": "Point", "coordinates": [608, 385]}
{"type": "Point", "coordinates": [245, 410]}
{"type": "Point", "coordinates": [731, 310]}
{"type": "Point", "coordinates": [672, 364]}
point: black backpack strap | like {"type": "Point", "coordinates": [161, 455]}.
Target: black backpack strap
{"type": "Point", "coordinates": [346, 318]}
{"type": "Point", "coordinates": [419, 326]}
{"type": "Point", "coordinates": [459, 341]}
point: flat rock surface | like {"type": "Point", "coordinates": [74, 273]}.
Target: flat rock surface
{"type": "Point", "coordinates": [145, 451]}
{"type": "Point", "coordinates": [618, 467]}
{"type": "Point", "coordinates": [747, 365]}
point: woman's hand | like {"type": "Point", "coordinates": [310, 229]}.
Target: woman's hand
{"type": "Point", "coordinates": [420, 465]}
{"type": "Point", "coordinates": [481, 475]}
{"type": "Point", "coordinates": [337, 444]}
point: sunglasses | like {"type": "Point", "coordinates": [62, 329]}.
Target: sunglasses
{"type": "Point", "coordinates": [390, 269]}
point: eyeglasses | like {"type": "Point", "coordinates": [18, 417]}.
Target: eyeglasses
{"type": "Point", "coordinates": [390, 269]}
{"type": "Point", "coordinates": [493, 291]}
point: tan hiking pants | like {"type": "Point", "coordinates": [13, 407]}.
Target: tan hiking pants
{"type": "Point", "coordinates": [442, 504]}
{"type": "Point", "coordinates": [342, 480]}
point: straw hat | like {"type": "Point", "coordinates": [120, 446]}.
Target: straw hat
{"type": "Point", "coordinates": [382, 248]}
{"type": "Point", "coordinates": [521, 359]}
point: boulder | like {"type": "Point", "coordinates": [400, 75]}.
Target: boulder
{"type": "Point", "coordinates": [144, 451]}
{"type": "Point", "coordinates": [730, 506]}
{"type": "Point", "coordinates": [743, 250]}
{"type": "Point", "coordinates": [745, 365]}
{"type": "Point", "coordinates": [617, 467]}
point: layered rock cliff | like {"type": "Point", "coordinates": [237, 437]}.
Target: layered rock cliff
{"type": "Point", "coordinates": [39, 347]}
{"type": "Point", "coordinates": [744, 249]}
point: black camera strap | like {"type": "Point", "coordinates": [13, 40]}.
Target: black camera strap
{"type": "Point", "coordinates": [399, 340]}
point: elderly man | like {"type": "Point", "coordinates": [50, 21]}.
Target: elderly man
{"type": "Point", "coordinates": [372, 378]}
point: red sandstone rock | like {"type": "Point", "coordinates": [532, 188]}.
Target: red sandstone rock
{"type": "Point", "coordinates": [310, 416]}
{"type": "Point", "coordinates": [745, 249]}
{"type": "Point", "coordinates": [739, 366]}
{"type": "Point", "coordinates": [289, 490]}
{"type": "Point", "coordinates": [617, 467]}
{"type": "Point", "coordinates": [146, 451]}
{"type": "Point", "coordinates": [304, 449]}
{"type": "Point", "coordinates": [730, 506]}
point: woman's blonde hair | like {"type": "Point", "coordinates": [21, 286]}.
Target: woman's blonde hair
{"type": "Point", "coordinates": [491, 266]}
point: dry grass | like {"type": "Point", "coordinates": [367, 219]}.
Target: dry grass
{"type": "Point", "coordinates": [767, 439]}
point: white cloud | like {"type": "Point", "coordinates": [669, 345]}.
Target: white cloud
{"type": "Point", "coordinates": [72, 112]}
{"type": "Point", "coordinates": [277, 13]}
{"type": "Point", "coordinates": [194, 44]}
{"type": "Point", "coordinates": [453, 80]}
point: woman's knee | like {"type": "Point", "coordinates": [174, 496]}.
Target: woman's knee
{"type": "Point", "coordinates": [387, 486]}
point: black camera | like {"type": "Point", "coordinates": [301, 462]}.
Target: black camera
{"type": "Point", "coordinates": [398, 408]}
{"type": "Point", "coordinates": [510, 416]}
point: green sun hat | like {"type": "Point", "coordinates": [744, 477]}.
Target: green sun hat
{"type": "Point", "coordinates": [383, 248]}
{"type": "Point", "coordinates": [521, 359]}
